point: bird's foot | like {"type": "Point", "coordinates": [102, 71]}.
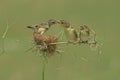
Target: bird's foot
{"type": "Point", "coordinates": [84, 42]}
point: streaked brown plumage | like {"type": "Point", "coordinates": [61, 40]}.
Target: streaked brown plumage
{"type": "Point", "coordinates": [70, 32]}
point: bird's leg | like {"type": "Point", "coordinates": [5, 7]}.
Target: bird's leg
{"type": "Point", "coordinates": [83, 41]}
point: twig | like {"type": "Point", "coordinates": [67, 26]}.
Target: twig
{"type": "Point", "coordinates": [29, 49]}
{"type": "Point", "coordinates": [59, 43]}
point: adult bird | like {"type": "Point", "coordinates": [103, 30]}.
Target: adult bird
{"type": "Point", "coordinates": [42, 27]}
{"type": "Point", "coordinates": [70, 33]}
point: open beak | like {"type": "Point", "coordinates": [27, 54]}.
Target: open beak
{"type": "Point", "coordinates": [58, 21]}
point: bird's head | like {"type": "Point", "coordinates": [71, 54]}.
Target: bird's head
{"type": "Point", "coordinates": [37, 28]}
{"type": "Point", "coordinates": [86, 28]}
{"type": "Point", "coordinates": [81, 27]}
{"type": "Point", "coordinates": [63, 23]}
{"type": "Point", "coordinates": [52, 22]}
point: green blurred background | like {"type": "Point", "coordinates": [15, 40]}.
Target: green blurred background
{"type": "Point", "coordinates": [77, 62]}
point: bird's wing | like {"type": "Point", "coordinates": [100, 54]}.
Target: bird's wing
{"type": "Point", "coordinates": [75, 34]}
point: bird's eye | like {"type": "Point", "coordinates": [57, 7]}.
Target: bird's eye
{"type": "Point", "coordinates": [53, 22]}
{"type": "Point", "coordinates": [36, 26]}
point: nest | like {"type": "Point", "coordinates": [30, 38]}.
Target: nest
{"type": "Point", "coordinates": [44, 43]}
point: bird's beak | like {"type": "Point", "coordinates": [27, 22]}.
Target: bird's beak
{"type": "Point", "coordinates": [30, 27]}
{"type": "Point", "coordinates": [58, 21]}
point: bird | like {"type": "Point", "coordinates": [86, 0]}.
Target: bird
{"type": "Point", "coordinates": [86, 35]}
{"type": "Point", "coordinates": [70, 33]}
{"type": "Point", "coordinates": [43, 27]}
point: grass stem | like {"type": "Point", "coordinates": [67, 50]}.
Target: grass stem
{"type": "Point", "coordinates": [44, 65]}
{"type": "Point", "coordinates": [59, 43]}
{"type": "Point", "coordinates": [3, 38]}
